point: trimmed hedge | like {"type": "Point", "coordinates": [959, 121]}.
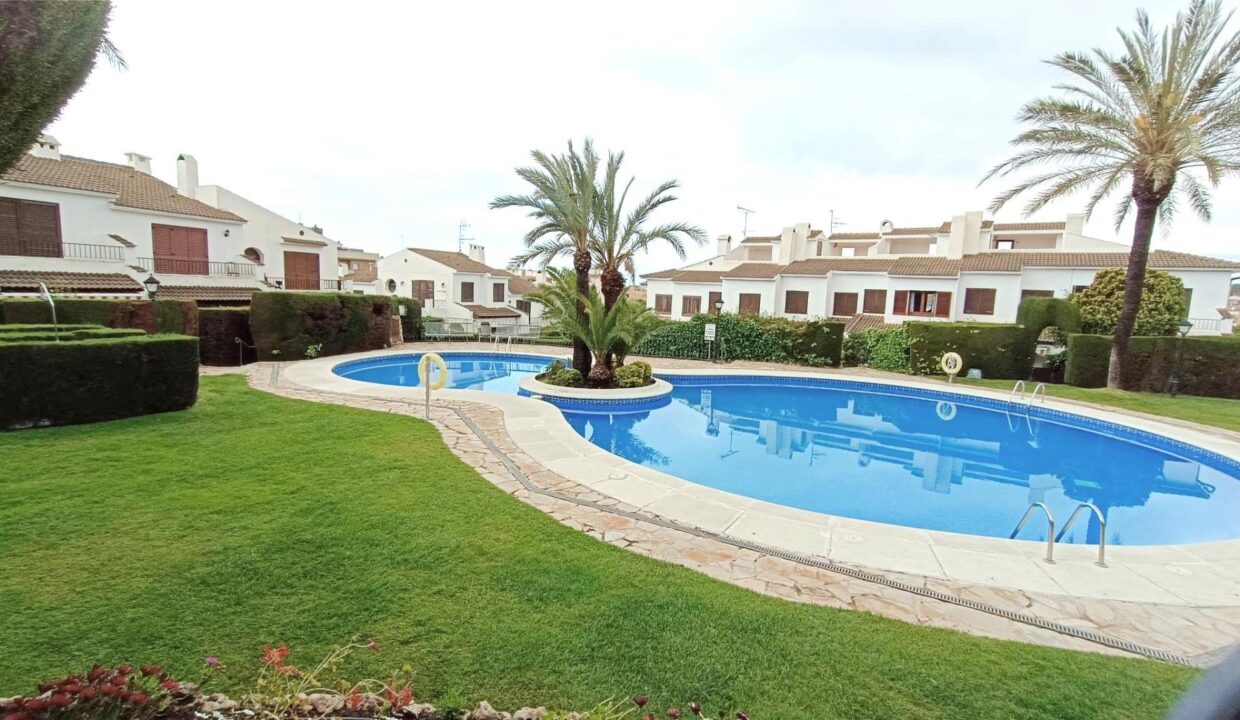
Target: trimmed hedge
{"type": "Point", "coordinates": [218, 330]}
{"type": "Point", "coordinates": [748, 337]}
{"type": "Point", "coordinates": [64, 383]}
{"type": "Point", "coordinates": [411, 321]}
{"type": "Point", "coordinates": [1207, 365]}
{"type": "Point", "coordinates": [1039, 313]}
{"type": "Point", "coordinates": [285, 324]}
{"type": "Point", "coordinates": [166, 316]}
{"type": "Point", "coordinates": [878, 348]}
{"type": "Point", "coordinates": [40, 327]}
{"type": "Point", "coordinates": [85, 333]}
{"type": "Point", "coordinates": [1000, 351]}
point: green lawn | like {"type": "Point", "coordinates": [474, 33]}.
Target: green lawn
{"type": "Point", "coordinates": [254, 519]}
{"type": "Point", "coordinates": [1219, 412]}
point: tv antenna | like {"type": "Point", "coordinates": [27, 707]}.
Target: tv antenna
{"type": "Point", "coordinates": [832, 224]}
{"type": "Point", "coordinates": [746, 212]}
{"type": "Point", "coordinates": [461, 237]}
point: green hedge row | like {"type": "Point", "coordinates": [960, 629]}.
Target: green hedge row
{"type": "Point", "coordinates": [878, 348]}
{"type": "Point", "coordinates": [286, 325]}
{"type": "Point", "coordinates": [85, 333]}
{"type": "Point", "coordinates": [44, 327]}
{"type": "Point", "coordinates": [63, 383]}
{"type": "Point", "coordinates": [1207, 365]}
{"type": "Point", "coordinates": [218, 330]}
{"type": "Point", "coordinates": [1000, 351]}
{"type": "Point", "coordinates": [164, 316]}
{"type": "Point", "coordinates": [411, 320]}
{"type": "Point", "coordinates": [749, 337]}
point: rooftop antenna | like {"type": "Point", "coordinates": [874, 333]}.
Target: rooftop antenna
{"type": "Point", "coordinates": [747, 212]}
{"type": "Point", "coordinates": [833, 224]}
{"type": "Point", "coordinates": [461, 237]}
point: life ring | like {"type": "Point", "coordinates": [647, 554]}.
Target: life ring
{"type": "Point", "coordinates": [424, 370]}
{"type": "Point", "coordinates": [951, 363]}
{"type": "Point", "coordinates": [945, 410]}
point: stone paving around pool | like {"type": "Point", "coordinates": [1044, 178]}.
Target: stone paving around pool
{"type": "Point", "coordinates": [1199, 634]}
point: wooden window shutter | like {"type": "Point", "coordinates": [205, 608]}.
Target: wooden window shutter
{"type": "Point", "coordinates": [901, 305]}
{"type": "Point", "coordinates": [497, 292]}
{"type": "Point", "coordinates": [39, 225]}
{"type": "Point", "coordinates": [750, 304]}
{"type": "Point", "coordinates": [979, 301]}
{"type": "Point", "coordinates": [10, 240]}
{"type": "Point", "coordinates": [875, 302]}
{"type": "Point", "coordinates": [796, 302]}
{"type": "Point", "coordinates": [690, 304]}
{"type": "Point", "coordinates": [943, 305]}
{"type": "Point", "coordinates": [714, 298]}
{"type": "Point", "coordinates": [845, 304]}
{"type": "Point", "coordinates": [467, 292]}
{"type": "Point", "coordinates": [663, 304]}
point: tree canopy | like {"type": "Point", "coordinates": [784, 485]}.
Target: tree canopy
{"type": "Point", "coordinates": [1161, 310]}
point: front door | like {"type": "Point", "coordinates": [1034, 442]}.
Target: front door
{"type": "Point", "coordinates": [301, 270]}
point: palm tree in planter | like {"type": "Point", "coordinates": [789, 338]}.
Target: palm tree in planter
{"type": "Point", "coordinates": [601, 332]}
{"type": "Point", "coordinates": [1150, 122]}
{"type": "Point", "coordinates": [562, 204]}
{"type": "Point", "coordinates": [619, 236]}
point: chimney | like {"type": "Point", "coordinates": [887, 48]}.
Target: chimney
{"type": "Point", "coordinates": [478, 253]}
{"type": "Point", "coordinates": [187, 175]}
{"type": "Point", "coordinates": [139, 162]}
{"type": "Point", "coordinates": [46, 147]}
{"type": "Point", "coordinates": [1075, 224]}
{"type": "Point", "coordinates": [725, 244]}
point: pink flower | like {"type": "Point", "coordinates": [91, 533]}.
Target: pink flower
{"type": "Point", "coordinates": [274, 656]}
{"type": "Point", "coordinates": [212, 660]}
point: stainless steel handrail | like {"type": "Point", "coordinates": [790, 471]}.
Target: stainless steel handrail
{"type": "Point", "coordinates": [1020, 385]}
{"type": "Point", "coordinates": [1034, 395]}
{"type": "Point", "coordinates": [1050, 529]}
{"type": "Point", "coordinates": [1102, 523]}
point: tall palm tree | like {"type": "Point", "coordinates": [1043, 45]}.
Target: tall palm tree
{"type": "Point", "coordinates": [601, 331]}
{"type": "Point", "coordinates": [618, 237]}
{"type": "Point", "coordinates": [562, 204]}
{"type": "Point", "coordinates": [1151, 122]}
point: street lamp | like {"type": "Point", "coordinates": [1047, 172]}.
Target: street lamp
{"type": "Point", "coordinates": [152, 286]}
{"type": "Point", "coordinates": [718, 307]}
{"type": "Point", "coordinates": [1184, 328]}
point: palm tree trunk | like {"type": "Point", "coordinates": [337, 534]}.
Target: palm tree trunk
{"type": "Point", "coordinates": [581, 264]}
{"type": "Point", "coordinates": [1148, 199]}
{"type": "Point", "coordinates": [613, 285]}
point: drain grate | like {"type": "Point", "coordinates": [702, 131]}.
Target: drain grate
{"type": "Point", "coordinates": [822, 564]}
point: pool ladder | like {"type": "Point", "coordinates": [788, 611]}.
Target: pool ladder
{"type": "Point", "coordinates": [1020, 387]}
{"type": "Point", "coordinates": [1052, 538]}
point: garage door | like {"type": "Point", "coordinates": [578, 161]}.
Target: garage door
{"type": "Point", "coordinates": [301, 270]}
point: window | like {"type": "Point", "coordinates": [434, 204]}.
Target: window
{"type": "Point", "coordinates": [1075, 289]}
{"type": "Point", "coordinates": [714, 300]}
{"type": "Point", "coordinates": [1005, 244]}
{"type": "Point", "coordinates": [845, 304]}
{"type": "Point", "coordinates": [1036, 293]}
{"type": "Point", "coordinates": [875, 302]}
{"type": "Point", "coordinates": [1188, 301]}
{"type": "Point", "coordinates": [254, 255]}
{"type": "Point", "coordinates": [663, 304]}
{"type": "Point", "coordinates": [183, 251]}
{"type": "Point", "coordinates": [467, 292]}
{"type": "Point", "coordinates": [424, 290]}
{"type": "Point", "coordinates": [391, 287]}
{"type": "Point", "coordinates": [796, 302]}
{"type": "Point", "coordinates": [30, 228]}
{"type": "Point", "coordinates": [848, 251]}
{"type": "Point", "coordinates": [923, 302]}
{"type": "Point", "coordinates": [497, 292]}
{"type": "Point", "coordinates": [979, 301]}
{"type": "Point", "coordinates": [750, 304]}
{"type": "Point", "coordinates": [524, 306]}
{"type": "Point", "coordinates": [690, 305]}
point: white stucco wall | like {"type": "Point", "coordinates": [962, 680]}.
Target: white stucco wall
{"type": "Point", "coordinates": [1007, 296]}
{"type": "Point", "coordinates": [733, 287]}
{"type": "Point", "coordinates": [817, 306]}
{"type": "Point", "coordinates": [265, 228]}
{"type": "Point", "coordinates": [929, 284]}
{"type": "Point", "coordinates": [856, 283]}
{"type": "Point", "coordinates": [406, 267]}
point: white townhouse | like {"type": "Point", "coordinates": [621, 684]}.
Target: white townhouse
{"type": "Point", "coordinates": [968, 269]}
{"type": "Point", "coordinates": [92, 228]}
{"type": "Point", "coordinates": [455, 286]}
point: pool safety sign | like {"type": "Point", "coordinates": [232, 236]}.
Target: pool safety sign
{"type": "Point", "coordinates": [710, 332]}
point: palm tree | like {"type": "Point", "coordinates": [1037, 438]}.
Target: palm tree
{"type": "Point", "coordinates": [641, 323]}
{"type": "Point", "coordinates": [619, 237]}
{"type": "Point", "coordinates": [1150, 122]}
{"type": "Point", "coordinates": [601, 331]}
{"type": "Point", "coordinates": [562, 204]}
{"type": "Point", "coordinates": [558, 295]}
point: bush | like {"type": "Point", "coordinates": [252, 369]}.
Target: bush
{"type": "Point", "coordinates": [411, 321]}
{"type": "Point", "coordinates": [41, 327]}
{"type": "Point", "coordinates": [748, 337]}
{"type": "Point", "coordinates": [285, 324]}
{"type": "Point", "coordinates": [1000, 351]}
{"type": "Point", "coordinates": [558, 374]}
{"type": "Point", "coordinates": [218, 330]}
{"type": "Point", "coordinates": [880, 348]}
{"type": "Point", "coordinates": [1161, 310]}
{"type": "Point", "coordinates": [85, 333]}
{"type": "Point", "coordinates": [165, 316]}
{"type": "Point", "coordinates": [1207, 365]}
{"type": "Point", "coordinates": [634, 374]}
{"type": "Point", "coordinates": [63, 383]}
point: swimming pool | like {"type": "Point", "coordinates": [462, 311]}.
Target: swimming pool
{"type": "Point", "coordinates": [916, 457]}
{"type": "Point", "coordinates": [495, 372]}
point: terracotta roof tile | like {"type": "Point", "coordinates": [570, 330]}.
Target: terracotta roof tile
{"type": "Point", "coordinates": [855, 236]}
{"type": "Point", "coordinates": [28, 281]}
{"type": "Point", "coordinates": [482, 311]}
{"type": "Point", "coordinates": [132, 188]}
{"type": "Point", "coordinates": [755, 271]}
{"type": "Point", "coordinates": [206, 293]}
{"type": "Point", "coordinates": [519, 285]}
{"type": "Point", "coordinates": [1012, 261]}
{"type": "Point", "coordinates": [925, 266]}
{"type": "Point", "coordinates": [919, 230]}
{"type": "Point", "coordinates": [663, 274]}
{"type": "Point", "coordinates": [1001, 227]}
{"type": "Point", "coordinates": [760, 239]}
{"type": "Point", "coordinates": [861, 321]}
{"type": "Point", "coordinates": [824, 265]}
{"type": "Point", "coordinates": [303, 241]}
{"type": "Point", "coordinates": [699, 276]}
{"type": "Point", "coordinates": [455, 260]}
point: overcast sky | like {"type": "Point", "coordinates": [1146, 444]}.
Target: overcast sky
{"type": "Point", "coordinates": [389, 123]}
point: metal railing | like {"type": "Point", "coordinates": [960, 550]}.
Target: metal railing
{"type": "Point", "coordinates": [1018, 391]}
{"type": "Point", "coordinates": [294, 282]}
{"type": "Point", "coordinates": [1050, 528]}
{"type": "Point", "coordinates": [87, 251]}
{"type": "Point", "coordinates": [196, 266]}
{"type": "Point", "coordinates": [1102, 525]}
{"type": "Point", "coordinates": [483, 330]}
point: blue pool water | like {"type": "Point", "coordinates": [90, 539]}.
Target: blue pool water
{"type": "Point", "coordinates": [496, 372]}
{"type": "Point", "coordinates": [913, 457]}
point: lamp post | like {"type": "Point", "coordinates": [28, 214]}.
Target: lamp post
{"type": "Point", "coordinates": [1184, 328]}
{"type": "Point", "coordinates": [152, 286]}
{"type": "Point", "coordinates": [718, 307]}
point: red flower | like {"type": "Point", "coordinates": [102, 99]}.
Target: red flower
{"type": "Point", "coordinates": [35, 704]}
{"type": "Point", "coordinates": [46, 687]}
{"type": "Point", "coordinates": [149, 670]}
{"type": "Point", "coordinates": [695, 708]}
{"type": "Point", "coordinates": [274, 656]}
{"type": "Point", "coordinates": [17, 715]}
{"type": "Point", "coordinates": [110, 690]}
{"type": "Point", "coordinates": [71, 687]}
{"type": "Point", "coordinates": [353, 701]}
{"type": "Point", "coordinates": [60, 699]}
{"type": "Point", "coordinates": [673, 713]}
{"type": "Point", "coordinates": [372, 646]}
{"type": "Point", "coordinates": [171, 685]}
{"type": "Point", "coordinates": [641, 700]}
{"type": "Point", "coordinates": [88, 693]}
{"type": "Point", "coordinates": [124, 669]}
{"type": "Point", "coordinates": [138, 698]}
{"type": "Point", "coordinates": [96, 673]}
{"type": "Point", "coordinates": [399, 699]}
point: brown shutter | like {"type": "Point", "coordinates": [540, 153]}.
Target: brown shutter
{"type": "Point", "coordinates": [663, 304]}
{"type": "Point", "coordinates": [845, 304]}
{"type": "Point", "coordinates": [10, 240]}
{"type": "Point", "coordinates": [301, 271]}
{"type": "Point", "coordinates": [467, 292]}
{"type": "Point", "coordinates": [714, 298]}
{"type": "Point", "coordinates": [39, 226]}
{"type": "Point", "coordinates": [979, 301]}
{"type": "Point", "coordinates": [750, 304]}
{"type": "Point", "coordinates": [796, 302]}
{"type": "Point", "coordinates": [875, 302]}
{"type": "Point", "coordinates": [901, 304]}
{"type": "Point", "coordinates": [497, 292]}
{"type": "Point", "coordinates": [424, 290]}
{"type": "Point", "coordinates": [690, 304]}
{"type": "Point", "coordinates": [943, 305]}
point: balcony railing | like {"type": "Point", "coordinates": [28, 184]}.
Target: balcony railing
{"type": "Point", "coordinates": [197, 266]}
{"type": "Point", "coordinates": [86, 251]}
{"type": "Point", "coordinates": [294, 282]}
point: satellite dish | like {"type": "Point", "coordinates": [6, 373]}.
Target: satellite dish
{"type": "Point", "coordinates": [886, 226]}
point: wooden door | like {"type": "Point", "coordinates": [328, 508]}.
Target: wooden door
{"type": "Point", "coordinates": [301, 270]}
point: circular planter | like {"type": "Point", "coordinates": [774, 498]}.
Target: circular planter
{"type": "Point", "coordinates": [657, 389]}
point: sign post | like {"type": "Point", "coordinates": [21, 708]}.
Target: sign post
{"type": "Point", "coordinates": [710, 340]}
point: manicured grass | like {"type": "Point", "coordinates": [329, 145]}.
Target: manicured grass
{"type": "Point", "coordinates": [1219, 412]}
{"type": "Point", "coordinates": [254, 519]}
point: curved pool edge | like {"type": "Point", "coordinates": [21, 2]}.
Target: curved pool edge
{"type": "Point", "coordinates": [1206, 574]}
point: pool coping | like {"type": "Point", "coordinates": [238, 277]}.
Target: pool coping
{"type": "Point", "coordinates": [1201, 575]}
